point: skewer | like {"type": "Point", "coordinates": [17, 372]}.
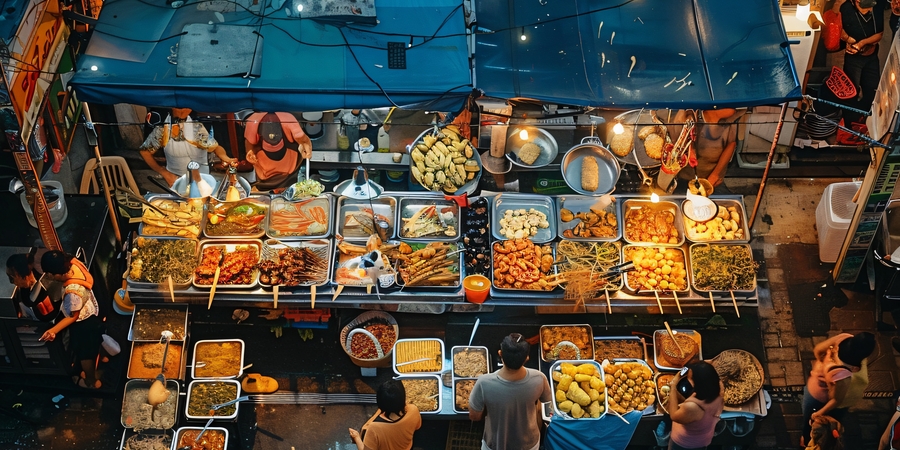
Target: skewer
{"type": "Point", "coordinates": [608, 304]}
{"type": "Point", "coordinates": [312, 296]}
{"type": "Point", "coordinates": [275, 294]}
{"type": "Point", "coordinates": [337, 292]}
{"type": "Point", "coordinates": [677, 303]}
{"type": "Point", "coordinates": [734, 302]}
{"type": "Point", "coordinates": [672, 335]}
{"type": "Point", "coordinates": [712, 302]}
{"type": "Point", "coordinates": [620, 416]}
{"type": "Point", "coordinates": [171, 289]}
{"type": "Point", "coordinates": [658, 303]}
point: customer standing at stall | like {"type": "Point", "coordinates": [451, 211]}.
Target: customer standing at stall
{"type": "Point", "coordinates": [182, 141]}
{"type": "Point", "coordinates": [34, 302]}
{"type": "Point", "coordinates": [393, 425]}
{"type": "Point", "coordinates": [509, 400]}
{"type": "Point", "coordinates": [81, 313]}
{"type": "Point", "coordinates": [838, 378]}
{"type": "Point", "coordinates": [694, 419]}
{"type": "Point", "coordinates": [862, 26]}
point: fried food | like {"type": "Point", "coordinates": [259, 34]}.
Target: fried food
{"type": "Point", "coordinates": [621, 144]}
{"type": "Point", "coordinates": [463, 392]}
{"type": "Point", "coordinates": [646, 131]}
{"type": "Point", "coordinates": [421, 393]}
{"type": "Point", "coordinates": [653, 145]}
{"type": "Point", "coordinates": [669, 352]}
{"type": "Point", "coordinates": [579, 391]}
{"type": "Point", "coordinates": [529, 153]}
{"type": "Point", "coordinates": [520, 264]}
{"type": "Point", "coordinates": [630, 386]}
{"type": "Point", "coordinates": [590, 173]}
{"type": "Point", "coordinates": [580, 336]}
{"type": "Point", "coordinates": [656, 268]}
{"type": "Point", "coordinates": [651, 224]}
{"type": "Point", "coordinates": [740, 375]}
{"type": "Point", "coordinates": [594, 224]}
{"type": "Point", "coordinates": [618, 348]}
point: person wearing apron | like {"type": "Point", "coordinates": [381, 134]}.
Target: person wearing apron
{"type": "Point", "coordinates": [182, 141]}
{"type": "Point", "coordinates": [276, 145]}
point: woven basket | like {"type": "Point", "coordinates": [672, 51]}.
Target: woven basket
{"type": "Point", "coordinates": [361, 321]}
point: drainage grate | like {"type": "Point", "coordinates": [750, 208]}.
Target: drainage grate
{"type": "Point", "coordinates": [785, 394]}
{"type": "Point", "coordinates": [465, 435]}
{"type": "Point", "coordinates": [881, 384]}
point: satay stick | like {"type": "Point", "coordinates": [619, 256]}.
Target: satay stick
{"type": "Point", "coordinates": [659, 303]}
{"type": "Point", "coordinates": [712, 302]}
{"type": "Point", "coordinates": [734, 302]}
{"type": "Point", "coordinates": [677, 303]}
{"type": "Point", "coordinates": [312, 296]}
{"type": "Point", "coordinates": [608, 304]}
{"type": "Point", "coordinates": [171, 288]}
{"type": "Point", "coordinates": [337, 292]}
{"type": "Point", "coordinates": [275, 294]}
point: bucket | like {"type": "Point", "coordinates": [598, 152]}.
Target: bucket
{"type": "Point", "coordinates": [361, 321]}
{"type": "Point", "coordinates": [58, 212]}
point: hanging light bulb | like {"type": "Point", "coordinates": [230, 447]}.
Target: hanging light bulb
{"type": "Point", "coordinates": [523, 135]}
{"type": "Point", "coordinates": [618, 128]}
{"type": "Point", "coordinates": [654, 198]}
{"type": "Point", "coordinates": [523, 37]}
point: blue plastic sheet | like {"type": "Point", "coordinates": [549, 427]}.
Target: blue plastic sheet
{"type": "Point", "coordinates": [608, 433]}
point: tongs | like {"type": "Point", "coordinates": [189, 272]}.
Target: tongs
{"type": "Point", "coordinates": [618, 269]}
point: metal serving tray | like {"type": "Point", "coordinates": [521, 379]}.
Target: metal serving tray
{"type": "Point", "coordinates": [402, 341]}
{"type": "Point", "coordinates": [166, 435]}
{"type": "Point", "coordinates": [256, 232]}
{"type": "Point", "coordinates": [320, 247]}
{"type": "Point", "coordinates": [555, 367]}
{"type": "Point", "coordinates": [510, 290]}
{"type": "Point", "coordinates": [663, 409]}
{"type": "Point", "coordinates": [213, 429]}
{"type": "Point", "coordinates": [432, 377]}
{"type": "Point", "coordinates": [384, 206]}
{"type": "Point", "coordinates": [478, 348]}
{"type": "Point", "coordinates": [386, 280]}
{"type": "Point", "coordinates": [152, 197]}
{"type": "Point", "coordinates": [179, 370]}
{"type": "Point", "coordinates": [614, 283]}
{"type": "Point", "coordinates": [640, 290]}
{"type": "Point", "coordinates": [238, 370]}
{"type": "Point", "coordinates": [650, 409]}
{"type": "Point", "coordinates": [176, 284]}
{"type": "Point", "coordinates": [640, 342]}
{"type": "Point", "coordinates": [659, 362]}
{"type": "Point", "coordinates": [217, 416]}
{"type": "Point", "coordinates": [279, 204]}
{"type": "Point", "coordinates": [230, 246]}
{"type": "Point", "coordinates": [545, 354]}
{"type": "Point", "coordinates": [584, 204]}
{"type": "Point", "coordinates": [727, 203]}
{"type": "Point", "coordinates": [140, 332]}
{"type": "Point", "coordinates": [126, 417]}
{"type": "Point", "coordinates": [634, 204]}
{"type": "Point", "coordinates": [707, 291]}
{"type": "Point", "coordinates": [458, 265]}
{"type": "Point", "coordinates": [409, 206]}
{"type": "Point", "coordinates": [541, 203]}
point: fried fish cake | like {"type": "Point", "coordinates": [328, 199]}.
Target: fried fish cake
{"type": "Point", "coordinates": [621, 144]}
{"type": "Point", "coordinates": [653, 145]}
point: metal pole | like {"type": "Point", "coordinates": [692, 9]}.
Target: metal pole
{"type": "Point", "coordinates": [91, 134]}
{"type": "Point", "coordinates": [762, 184]}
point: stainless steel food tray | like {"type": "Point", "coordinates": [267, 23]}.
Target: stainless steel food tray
{"type": "Point", "coordinates": [385, 206]}
{"type": "Point", "coordinates": [650, 409]}
{"type": "Point", "coordinates": [239, 370]}
{"type": "Point", "coordinates": [258, 231]}
{"type": "Point", "coordinates": [165, 434]}
{"type": "Point", "coordinates": [230, 246]}
{"type": "Point", "coordinates": [180, 372]}
{"type": "Point", "coordinates": [657, 359]}
{"type": "Point", "coordinates": [576, 204]}
{"type": "Point", "coordinates": [634, 204]}
{"type": "Point", "coordinates": [178, 285]}
{"type": "Point", "coordinates": [183, 429]}
{"type": "Point", "coordinates": [640, 290]}
{"type": "Point", "coordinates": [152, 197]}
{"type": "Point", "coordinates": [427, 376]}
{"type": "Point", "coordinates": [742, 223]}
{"type": "Point", "coordinates": [217, 416]}
{"type": "Point", "coordinates": [541, 203]}
{"type": "Point", "coordinates": [590, 332]}
{"type": "Point", "coordinates": [614, 283]}
{"type": "Point", "coordinates": [482, 349]}
{"type": "Point", "coordinates": [179, 328]}
{"type": "Point", "coordinates": [538, 136]}
{"type": "Point", "coordinates": [409, 206]}
{"type": "Point", "coordinates": [743, 292]}
{"type": "Point", "coordinates": [459, 265]}
{"type": "Point", "coordinates": [638, 340]}
{"type": "Point", "coordinates": [279, 203]}
{"type": "Point", "coordinates": [387, 279]}
{"type": "Point", "coordinates": [320, 247]}
{"type": "Point", "coordinates": [663, 409]}
{"type": "Point", "coordinates": [637, 119]}
{"type": "Point", "coordinates": [555, 367]}
{"type": "Point", "coordinates": [453, 382]}
{"type": "Point", "coordinates": [394, 352]}
{"type": "Point", "coordinates": [171, 385]}
{"type": "Point", "coordinates": [509, 291]}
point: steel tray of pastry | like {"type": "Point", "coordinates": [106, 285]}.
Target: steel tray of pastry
{"type": "Point", "coordinates": [555, 367]}
{"type": "Point", "coordinates": [354, 217]}
{"type": "Point", "coordinates": [633, 228]}
{"type": "Point", "coordinates": [637, 282]}
{"type": "Point", "coordinates": [523, 204]}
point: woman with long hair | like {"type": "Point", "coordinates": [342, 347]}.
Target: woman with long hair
{"type": "Point", "coordinates": [694, 419]}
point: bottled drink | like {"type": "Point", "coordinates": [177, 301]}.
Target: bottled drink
{"type": "Point", "coordinates": [198, 186]}
{"type": "Point", "coordinates": [230, 190]}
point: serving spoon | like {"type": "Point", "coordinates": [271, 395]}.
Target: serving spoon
{"type": "Point", "coordinates": [197, 439]}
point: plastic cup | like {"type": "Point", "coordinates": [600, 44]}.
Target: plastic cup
{"type": "Point", "coordinates": [477, 288]}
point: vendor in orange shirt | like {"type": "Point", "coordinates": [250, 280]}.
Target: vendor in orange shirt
{"type": "Point", "coordinates": [276, 145]}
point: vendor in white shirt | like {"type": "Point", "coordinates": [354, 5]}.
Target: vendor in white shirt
{"type": "Point", "coordinates": [183, 141]}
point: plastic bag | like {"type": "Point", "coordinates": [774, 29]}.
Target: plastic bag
{"type": "Point", "coordinates": [832, 30]}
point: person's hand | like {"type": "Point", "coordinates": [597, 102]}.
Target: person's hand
{"type": "Point", "coordinates": [169, 177]}
{"type": "Point", "coordinates": [354, 434]}
{"type": "Point", "coordinates": [815, 415]}
{"type": "Point", "coordinates": [852, 47]}
{"type": "Point", "coordinates": [48, 336]}
{"type": "Point", "coordinates": [227, 159]}
{"type": "Point", "coordinates": [251, 157]}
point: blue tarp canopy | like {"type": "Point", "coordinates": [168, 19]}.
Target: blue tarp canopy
{"type": "Point", "coordinates": [306, 65]}
{"type": "Point", "coordinates": [582, 51]}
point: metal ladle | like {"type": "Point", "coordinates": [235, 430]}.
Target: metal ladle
{"type": "Point", "coordinates": [197, 439]}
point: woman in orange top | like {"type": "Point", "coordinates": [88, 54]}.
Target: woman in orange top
{"type": "Point", "coordinates": [393, 425]}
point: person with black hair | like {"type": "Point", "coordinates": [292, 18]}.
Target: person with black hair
{"type": "Point", "coordinates": [81, 313]}
{"type": "Point", "coordinates": [890, 439]}
{"type": "Point", "coordinates": [694, 418]}
{"type": "Point", "coordinates": [393, 425]}
{"type": "Point", "coordinates": [182, 140]}
{"type": "Point", "coordinates": [862, 27]}
{"type": "Point", "coordinates": [34, 302]}
{"type": "Point", "coordinates": [276, 145]}
{"type": "Point", "coordinates": [509, 398]}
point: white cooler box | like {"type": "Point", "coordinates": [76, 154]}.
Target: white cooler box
{"type": "Point", "coordinates": [833, 216]}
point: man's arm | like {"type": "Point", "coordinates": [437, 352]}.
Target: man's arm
{"type": "Point", "coordinates": [475, 416]}
{"type": "Point", "coordinates": [220, 152]}
{"type": "Point", "coordinates": [170, 177]}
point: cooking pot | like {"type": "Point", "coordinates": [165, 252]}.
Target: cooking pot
{"type": "Point", "coordinates": [608, 173]}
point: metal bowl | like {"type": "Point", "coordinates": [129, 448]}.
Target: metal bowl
{"type": "Point", "coordinates": [609, 168]}
{"type": "Point", "coordinates": [537, 136]}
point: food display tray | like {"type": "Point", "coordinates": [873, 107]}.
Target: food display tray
{"type": "Point", "coordinates": [172, 354]}
{"type": "Point", "coordinates": [460, 264]}
{"type": "Point", "coordinates": [659, 362]}
{"type": "Point", "coordinates": [152, 434]}
{"type": "Point", "coordinates": [183, 429]}
{"type": "Point", "coordinates": [634, 204]}
{"type": "Point", "coordinates": [130, 385]}
{"type": "Point", "coordinates": [631, 339]}
{"type": "Point", "coordinates": [137, 331]}
{"type": "Point", "coordinates": [152, 197]}
{"type": "Point", "coordinates": [409, 206]}
{"type": "Point", "coordinates": [585, 204]}
{"type": "Point", "coordinates": [217, 416]}
{"type": "Point", "coordinates": [260, 200]}
{"type": "Point", "coordinates": [149, 285]}
{"type": "Point", "coordinates": [279, 204]}
{"type": "Point", "coordinates": [743, 292]}
{"type": "Point", "coordinates": [545, 353]}
{"type": "Point", "coordinates": [614, 283]}
{"type": "Point", "coordinates": [384, 205]}
{"type": "Point", "coordinates": [239, 370]}
{"type": "Point", "coordinates": [455, 377]}
{"type": "Point", "coordinates": [415, 357]}
{"type": "Point", "coordinates": [511, 291]}
{"type": "Point", "coordinates": [320, 247]}
{"type": "Point", "coordinates": [555, 366]}
{"type": "Point", "coordinates": [541, 203]}
{"type": "Point", "coordinates": [470, 186]}
{"type": "Point", "coordinates": [727, 203]}
{"type": "Point", "coordinates": [650, 409]}
{"type": "Point", "coordinates": [230, 245]}
{"type": "Point", "coordinates": [663, 409]}
{"type": "Point", "coordinates": [386, 280]}
{"type": "Point", "coordinates": [434, 377]}
{"type": "Point", "coordinates": [637, 290]}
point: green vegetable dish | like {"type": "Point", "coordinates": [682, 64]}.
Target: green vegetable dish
{"type": "Point", "coordinates": [204, 395]}
{"type": "Point", "coordinates": [723, 267]}
{"type": "Point", "coordinates": [154, 260]}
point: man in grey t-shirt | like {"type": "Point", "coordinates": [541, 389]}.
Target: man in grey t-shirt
{"type": "Point", "coordinates": [509, 399]}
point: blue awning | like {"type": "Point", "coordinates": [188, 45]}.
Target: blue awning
{"type": "Point", "coordinates": [641, 53]}
{"type": "Point", "coordinates": [306, 65]}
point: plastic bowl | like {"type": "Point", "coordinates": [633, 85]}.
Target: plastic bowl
{"type": "Point", "coordinates": [477, 288]}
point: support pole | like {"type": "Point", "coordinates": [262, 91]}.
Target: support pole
{"type": "Point", "coordinates": [91, 134]}
{"type": "Point", "coordinates": [762, 184]}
